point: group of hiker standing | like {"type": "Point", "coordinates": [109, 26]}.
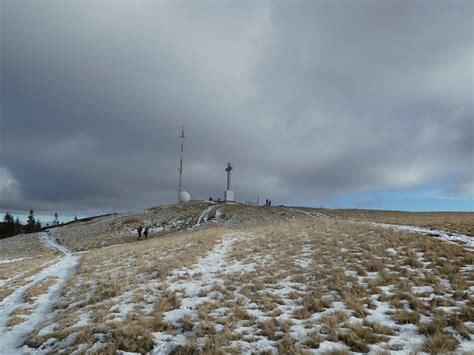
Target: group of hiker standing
{"type": "Point", "coordinates": [140, 230]}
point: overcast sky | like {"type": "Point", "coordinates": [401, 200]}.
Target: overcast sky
{"type": "Point", "coordinates": [336, 103]}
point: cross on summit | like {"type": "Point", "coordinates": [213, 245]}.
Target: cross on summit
{"type": "Point", "coordinates": [228, 170]}
{"type": "Point", "coordinates": [229, 194]}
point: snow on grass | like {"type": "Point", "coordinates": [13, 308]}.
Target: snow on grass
{"type": "Point", "coordinates": [391, 251]}
{"type": "Point", "coordinates": [466, 346]}
{"type": "Point", "coordinates": [10, 261]}
{"type": "Point", "coordinates": [257, 288]}
{"type": "Point", "coordinates": [204, 276]}
{"type": "Point", "coordinates": [10, 279]}
{"type": "Point", "coordinates": [305, 258]}
{"type": "Point", "coordinates": [11, 338]}
{"type": "Point", "coordinates": [194, 285]}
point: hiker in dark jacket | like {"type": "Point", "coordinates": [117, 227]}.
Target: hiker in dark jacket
{"type": "Point", "coordinates": [145, 233]}
{"type": "Point", "coordinates": [139, 230]}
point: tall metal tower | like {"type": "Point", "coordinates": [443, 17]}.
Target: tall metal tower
{"type": "Point", "coordinates": [182, 136]}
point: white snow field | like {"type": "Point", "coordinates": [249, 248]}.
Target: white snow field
{"type": "Point", "coordinates": [231, 278]}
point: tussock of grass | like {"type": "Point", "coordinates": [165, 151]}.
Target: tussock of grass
{"type": "Point", "coordinates": [169, 300]}
{"type": "Point", "coordinates": [269, 329]}
{"type": "Point", "coordinates": [379, 328]}
{"type": "Point", "coordinates": [187, 323]}
{"type": "Point", "coordinates": [353, 341]}
{"type": "Point", "coordinates": [287, 345]}
{"type": "Point", "coordinates": [313, 341]}
{"type": "Point", "coordinates": [355, 304]}
{"type": "Point", "coordinates": [456, 323]}
{"type": "Point", "coordinates": [367, 334]}
{"type": "Point", "coordinates": [406, 317]}
{"type": "Point", "coordinates": [314, 303]}
{"type": "Point", "coordinates": [330, 325]}
{"type": "Point", "coordinates": [439, 343]}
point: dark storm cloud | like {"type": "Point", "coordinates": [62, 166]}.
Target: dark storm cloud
{"type": "Point", "coordinates": [305, 98]}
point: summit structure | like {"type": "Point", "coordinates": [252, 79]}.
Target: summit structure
{"type": "Point", "coordinates": [229, 193]}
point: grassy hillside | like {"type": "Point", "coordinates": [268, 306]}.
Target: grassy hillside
{"type": "Point", "coordinates": [232, 278]}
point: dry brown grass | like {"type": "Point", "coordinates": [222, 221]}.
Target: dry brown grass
{"type": "Point", "coordinates": [287, 345]}
{"type": "Point", "coordinates": [330, 325]}
{"type": "Point", "coordinates": [132, 220]}
{"type": "Point", "coordinates": [277, 287]}
{"type": "Point", "coordinates": [379, 328]}
{"type": "Point", "coordinates": [18, 316]}
{"type": "Point", "coordinates": [15, 320]}
{"type": "Point", "coordinates": [134, 338]}
{"type": "Point", "coordinates": [313, 341]}
{"type": "Point", "coordinates": [354, 342]}
{"type": "Point", "coordinates": [40, 288]}
{"type": "Point", "coordinates": [269, 329]}
{"type": "Point", "coordinates": [406, 317]}
{"type": "Point", "coordinates": [314, 302]}
{"type": "Point", "coordinates": [355, 304]}
{"type": "Point", "coordinates": [5, 292]}
{"type": "Point", "coordinates": [439, 343]}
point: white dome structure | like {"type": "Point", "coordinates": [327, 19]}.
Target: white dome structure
{"type": "Point", "coordinates": [184, 196]}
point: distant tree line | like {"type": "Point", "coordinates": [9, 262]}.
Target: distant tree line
{"type": "Point", "coordinates": [11, 226]}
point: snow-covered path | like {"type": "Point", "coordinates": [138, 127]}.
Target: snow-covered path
{"type": "Point", "coordinates": [313, 214]}
{"type": "Point", "coordinates": [12, 338]}
{"type": "Point", "coordinates": [464, 240]}
{"type": "Point", "coordinates": [203, 216]}
{"type": "Point", "coordinates": [52, 243]}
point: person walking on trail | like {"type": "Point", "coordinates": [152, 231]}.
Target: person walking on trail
{"type": "Point", "coordinates": [145, 233]}
{"type": "Point", "coordinates": [139, 231]}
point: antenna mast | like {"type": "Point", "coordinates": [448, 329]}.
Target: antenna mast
{"type": "Point", "coordinates": [182, 136]}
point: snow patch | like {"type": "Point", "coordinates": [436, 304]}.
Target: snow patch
{"type": "Point", "coordinates": [10, 261]}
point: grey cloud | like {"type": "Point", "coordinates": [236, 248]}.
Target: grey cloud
{"type": "Point", "coordinates": [306, 99]}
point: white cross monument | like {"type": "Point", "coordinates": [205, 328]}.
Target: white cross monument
{"type": "Point", "coordinates": [229, 194]}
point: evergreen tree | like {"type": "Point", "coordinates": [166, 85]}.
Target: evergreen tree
{"type": "Point", "coordinates": [38, 224]}
{"type": "Point", "coordinates": [31, 222]}
{"type": "Point", "coordinates": [8, 224]}
{"type": "Point", "coordinates": [75, 218]}
{"type": "Point", "coordinates": [56, 219]}
{"type": "Point", "coordinates": [8, 218]}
